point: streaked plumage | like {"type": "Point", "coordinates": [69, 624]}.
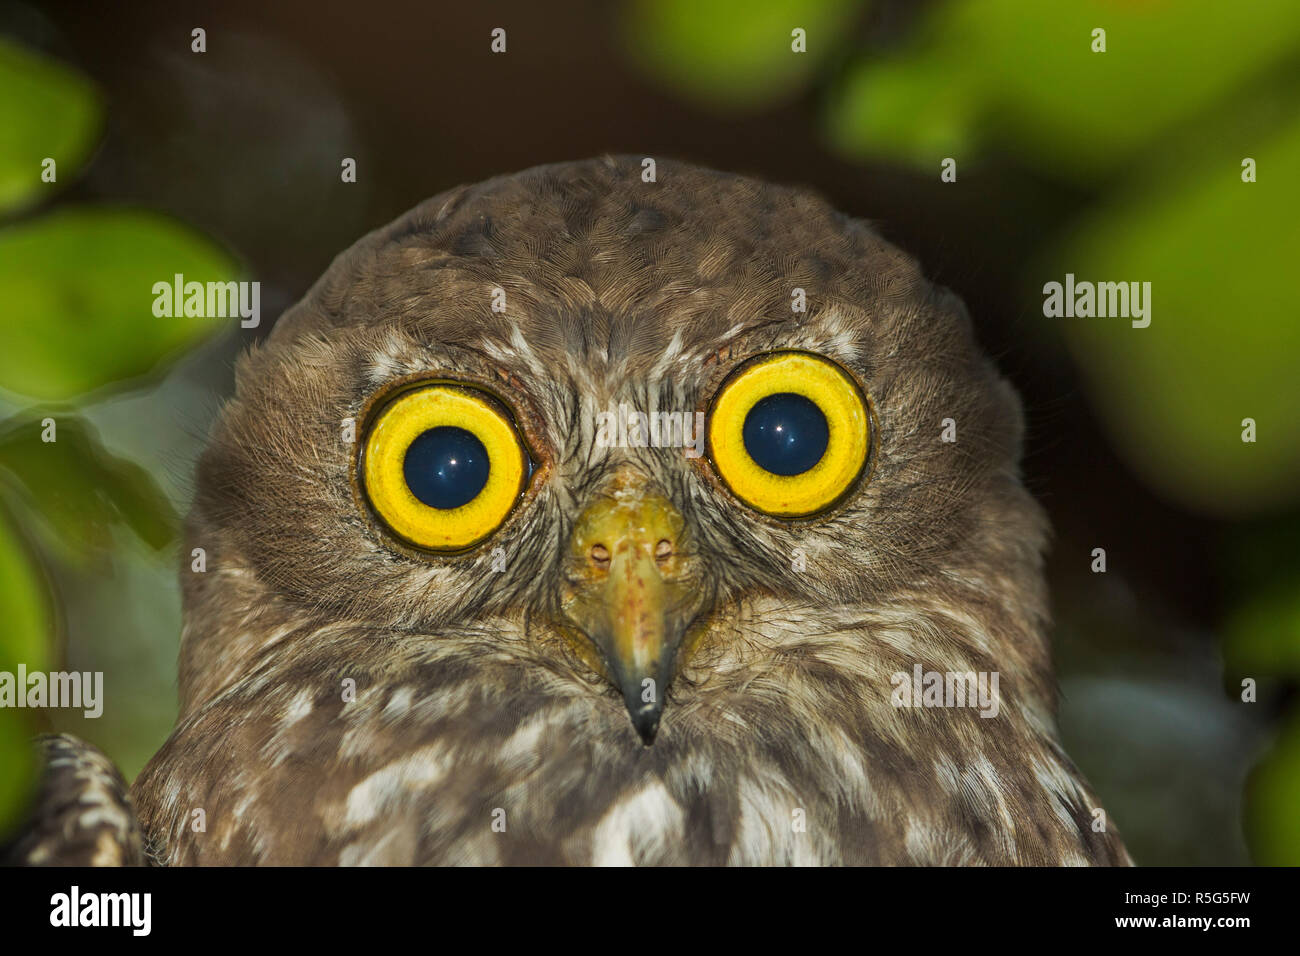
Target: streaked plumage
{"type": "Point", "coordinates": [779, 742]}
{"type": "Point", "coordinates": [83, 815]}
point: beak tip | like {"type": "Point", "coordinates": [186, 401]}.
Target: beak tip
{"type": "Point", "coordinates": [646, 723]}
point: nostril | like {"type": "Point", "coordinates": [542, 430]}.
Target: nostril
{"type": "Point", "coordinates": [663, 550]}
{"type": "Point", "coordinates": [600, 555]}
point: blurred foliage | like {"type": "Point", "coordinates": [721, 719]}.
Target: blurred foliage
{"type": "Point", "coordinates": [1223, 338]}
{"type": "Point", "coordinates": [46, 111]}
{"type": "Point", "coordinates": [1273, 792]}
{"type": "Point", "coordinates": [1020, 75]}
{"type": "Point", "coordinates": [735, 55]}
{"type": "Point", "coordinates": [24, 607]}
{"type": "Point", "coordinates": [1262, 643]}
{"type": "Point", "coordinates": [75, 279]}
{"type": "Point", "coordinates": [77, 492]}
{"type": "Point", "coordinates": [77, 319]}
{"type": "Point", "coordinates": [1151, 135]}
{"type": "Point", "coordinates": [1168, 142]}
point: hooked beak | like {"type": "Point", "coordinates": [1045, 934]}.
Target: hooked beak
{"type": "Point", "coordinates": [629, 594]}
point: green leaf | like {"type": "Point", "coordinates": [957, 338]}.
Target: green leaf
{"type": "Point", "coordinates": [1261, 570]}
{"type": "Point", "coordinates": [26, 637]}
{"type": "Point", "coordinates": [79, 489]}
{"type": "Point", "coordinates": [735, 54]}
{"type": "Point", "coordinates": [18, 768]}
{"type": "Point", "coordinates": [27, 634]}
{"type": "Point", "coordinates": [78, 310]}
{"type": "Point", "coordinates": [906, 111]}
{"type": "Point", "coordinates": [1262, 637]}
{"type": "Point", "coordinates": [1022, 75]}
{"type": "Point", "coordinates": [47, 110]}
{"type": "Point", "coordinates": [1223, 336]}
{"type": "Point", "coordinates": [1272, 796]}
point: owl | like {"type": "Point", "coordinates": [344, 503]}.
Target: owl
{"type": "Point", "coordinates": [588, 517]}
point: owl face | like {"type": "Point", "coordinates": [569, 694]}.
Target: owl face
{"type": "Point", "coordinates": [449, 443]}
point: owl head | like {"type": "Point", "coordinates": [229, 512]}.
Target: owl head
{"type": "Point", "coordinates": [664, 444]}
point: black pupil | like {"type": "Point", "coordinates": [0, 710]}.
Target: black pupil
{"type": "Point", "coordinates": [446, 467]}
{"type": "Point", "coordinates": [786, 433]}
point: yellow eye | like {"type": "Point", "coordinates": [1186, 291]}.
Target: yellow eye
{"type": "Point", "coordinates": [789, 434]}
{"type": "Point", "coordinates": [443, 466]}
